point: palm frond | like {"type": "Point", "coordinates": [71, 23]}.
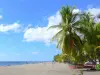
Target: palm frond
{"type": "Point", "coordinates": [57, 35]}
{"type": "Point", "coordinates": [75, 17]}
{"type": "Point", "coordinates": [55, 26]}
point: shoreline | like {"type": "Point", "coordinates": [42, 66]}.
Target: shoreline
{"type": "Point", "coordinates": [15, 63]}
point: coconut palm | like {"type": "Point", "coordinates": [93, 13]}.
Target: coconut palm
{"type": "Point", "coordinates": [66, 32]}
{"type": "Point", "coordinates": [90, 29]}
{"type": "Point", "coordinates": [67, 38]}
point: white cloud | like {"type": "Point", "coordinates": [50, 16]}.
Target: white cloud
{"type": "Point", "coordinates": [1, 17]}
{"type": "Point", "coordinates": [41, 33]}
{"type": "Point", "coordinates": [35, 53]}
{"type": "Point", "coordinates": [54, 19]}
{"type": "Point", "coordinates": [29, 26]}
{"type": "Point", "coordinates": [9, 27]}
{"type": "Point", "coordinates": [76, 11]}
{"type": "Point", "coordinates": [94, 11]}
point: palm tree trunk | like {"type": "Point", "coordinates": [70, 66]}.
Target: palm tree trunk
{"type": "Point", "coordinates": [70, 39]}
{"type": "Point", "coordinates": [99, 60]}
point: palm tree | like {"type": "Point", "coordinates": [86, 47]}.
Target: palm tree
{"type": "Point", "coordinates": [90, 29]}
{"type": "Point", "coordinates": [67, 39]}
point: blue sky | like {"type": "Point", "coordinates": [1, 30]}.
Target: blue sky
{"type": "Point", "coordinates": [23, 25]}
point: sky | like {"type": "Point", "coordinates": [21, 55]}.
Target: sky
{"type": "Point", "coordinates": [24, 24]}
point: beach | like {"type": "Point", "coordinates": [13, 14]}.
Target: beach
{"type": "Point", "coordinates": [41, 69]}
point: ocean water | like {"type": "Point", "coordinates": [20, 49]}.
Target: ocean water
{"type": "Point", "coordinates": [10, 63]}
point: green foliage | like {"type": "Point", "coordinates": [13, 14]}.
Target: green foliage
{"type": "Point", "coordinates": [98, 67]}
{"type": "Point", "coordinates": [76, 48]}
{"type": "Point", "coordinates": [60, 58]}
{"type": "Point", "coordinates": [57, 58]}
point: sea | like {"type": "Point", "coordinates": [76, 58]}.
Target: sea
{"type": "Point", "coordinates": [12, 63]}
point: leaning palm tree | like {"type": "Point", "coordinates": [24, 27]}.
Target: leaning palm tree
{"type": "Point", "coordinates": [67, 39]}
